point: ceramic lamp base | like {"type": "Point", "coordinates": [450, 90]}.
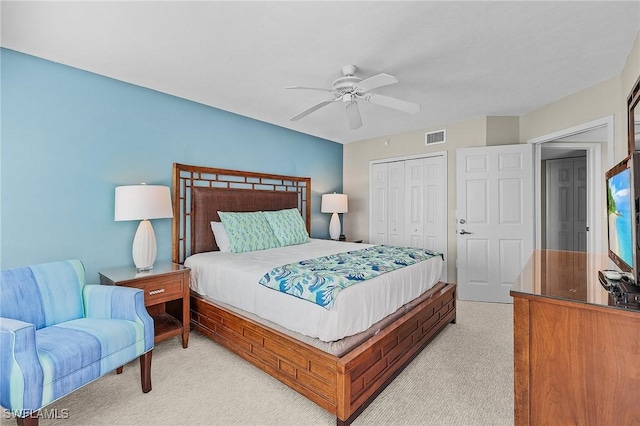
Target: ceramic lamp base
{"type": "Point", "coordinates": [145, 248]}
{"type": "Point", "coordinates": [334, 227]}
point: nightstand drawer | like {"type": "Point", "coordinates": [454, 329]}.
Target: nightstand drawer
{"type": "Point", "coordinates": [160, 289]}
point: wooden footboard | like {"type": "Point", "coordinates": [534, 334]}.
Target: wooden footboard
{"type": "Point", "coordinates": [343, 385]}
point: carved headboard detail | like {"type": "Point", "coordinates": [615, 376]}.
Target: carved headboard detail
{"type": "Point", "coordinates": [200, 192]}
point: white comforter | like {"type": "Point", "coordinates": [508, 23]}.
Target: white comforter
{"type": "Point", "coordinates": [232, 278]}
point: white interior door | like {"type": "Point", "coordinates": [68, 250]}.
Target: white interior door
{"type": "Point", "coordinates": [495, 222]}
{"type": "Point", "coordinates": [580, 205]}
{"type": "Point", "coordinates": [560, 188]}
{"type": "Point", "coordinates": [566, 220]}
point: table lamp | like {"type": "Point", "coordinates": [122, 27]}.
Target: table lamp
{"type": "Point", "coordinates": [143, 202]}
{"type": "Point", "coordinates": [334, 203]}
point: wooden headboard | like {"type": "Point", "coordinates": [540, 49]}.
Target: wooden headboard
{"type": "Point", "coordinates": [200, 192]}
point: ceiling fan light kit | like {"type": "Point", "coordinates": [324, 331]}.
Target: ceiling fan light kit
{"type": "Point", "coordinates": [350, 88]}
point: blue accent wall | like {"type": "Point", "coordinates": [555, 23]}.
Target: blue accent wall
{"type": "Point", "coordinates": [69, 137]}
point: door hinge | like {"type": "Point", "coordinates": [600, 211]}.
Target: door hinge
{"type": "Point", "coordinates": [587, 229]}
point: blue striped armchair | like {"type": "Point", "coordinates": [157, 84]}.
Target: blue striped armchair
{"type": "Point", "coordinates": [58, 334]}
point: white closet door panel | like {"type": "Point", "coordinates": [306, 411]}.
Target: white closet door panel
{"type": "Point", "coordinates": [432, 243]}
{"type": "Point", "coordinates": [379, 203]}
{"type": "Point", "coordinates": [435, 221]}
{"type": "Point", "coordinates": [414, 203]}
{"type": "Point", "coordinates": [395, 205]}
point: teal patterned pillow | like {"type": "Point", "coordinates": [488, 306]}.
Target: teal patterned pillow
{"type": "Point", "coordinates": [288, 226]}
{"type": "Point", "coordinates": [248, 231]}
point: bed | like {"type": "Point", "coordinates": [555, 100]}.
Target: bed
{"type": "Point", "coordinates": [342, 377]}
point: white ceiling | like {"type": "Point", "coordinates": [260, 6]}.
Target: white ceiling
{"type": "Point", "coordinates": [458, 60]}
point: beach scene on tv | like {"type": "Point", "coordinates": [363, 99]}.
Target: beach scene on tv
{"type": "Point", "coordinates": [619, 211]}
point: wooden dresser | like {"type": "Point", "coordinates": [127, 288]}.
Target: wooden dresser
{"type": "Point", "coordinates": [576, 358]}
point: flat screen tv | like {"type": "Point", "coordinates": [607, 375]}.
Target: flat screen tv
{"type": "Point", "coordinates": [621, 215]}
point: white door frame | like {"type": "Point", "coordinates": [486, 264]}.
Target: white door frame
{"type": "Point", "coordinates": [446, 197]}
{"type": "Point", "coordinates": [594, 179]}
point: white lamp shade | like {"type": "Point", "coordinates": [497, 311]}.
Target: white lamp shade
{"type": "Point", "coordinates": [334, 203]}
{"type": "Point", "coordinates": [139, 202]}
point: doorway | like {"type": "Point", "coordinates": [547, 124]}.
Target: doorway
{"type": "Point", "coordinates": [596, 139]}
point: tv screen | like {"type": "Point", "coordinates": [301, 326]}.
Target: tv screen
{"type": "Point", "coordinates": [620, 215]}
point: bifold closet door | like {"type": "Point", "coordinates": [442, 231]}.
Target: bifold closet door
{"type": "Point", "coordinates": [396, 204]}
{"type": "Point", "coordinates": [435, 204]}
{"type": "Point", "coordinates": [414, 203]}
{"type": "Point", "coordinates": [379, 201]}
{"type": "Point", "coordinates": [387, 204]}
{"type": "Point", "coordinates": [408, 203]}
{"type": "Point", "coordinates": [425, 203]}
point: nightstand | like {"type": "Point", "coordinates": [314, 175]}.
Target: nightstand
{"type": "Point", "coordinates": [166, 296]}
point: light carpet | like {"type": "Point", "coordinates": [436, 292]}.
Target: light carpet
{"type": "Point", "coordinates": [463, 377]}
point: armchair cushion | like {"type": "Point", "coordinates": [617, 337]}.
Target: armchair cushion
{"type": "Point", "coordinates": [126, 303]}
{"type": "Point", "coordinates": [75, 352]}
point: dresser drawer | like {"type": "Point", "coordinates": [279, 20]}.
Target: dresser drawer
{"type": "Point", "coordinates": [160, 289]}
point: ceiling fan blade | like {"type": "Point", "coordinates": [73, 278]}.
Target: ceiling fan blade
{"type": "Point", "coordinates": [353, 115]}
{"type": "Point", "coordinates": [389, 102]}
{"type": "Point", "coordinates": [310, 88]}
{"type": "Point", "coordinates": [375, 82]}
{"type": "Point", "coordinates": [310, 110]}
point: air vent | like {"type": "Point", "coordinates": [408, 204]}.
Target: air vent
{"type": "Point", "coordinates": [433, 138]}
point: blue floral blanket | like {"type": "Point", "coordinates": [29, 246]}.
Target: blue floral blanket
{"type": "Point", "coordinates": [319, 280]}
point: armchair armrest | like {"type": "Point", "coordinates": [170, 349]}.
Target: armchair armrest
{"type": "Point", "coordinates": [113, 302]}
{"type": "Point", "coordinates": [116, 302]}
{"type": "Point", "coordinates": [19, 364]}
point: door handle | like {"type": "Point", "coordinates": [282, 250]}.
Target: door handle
{"type": "Point", "coordinates": [463, 232]}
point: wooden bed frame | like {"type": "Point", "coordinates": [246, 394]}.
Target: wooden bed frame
{"type": "Point", "coordinates": [343, 385]}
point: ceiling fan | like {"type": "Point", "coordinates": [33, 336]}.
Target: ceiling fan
{"type": "Point", "coordinates": [349, 89]}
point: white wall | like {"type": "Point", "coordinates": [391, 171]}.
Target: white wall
{"type": "Point", "coordinates": [606, 98]}
{"type": "Point", "coordinates": [600, 100]}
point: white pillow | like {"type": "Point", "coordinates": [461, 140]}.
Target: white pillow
{"type": "Point", "coordinates": [222, 238]}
